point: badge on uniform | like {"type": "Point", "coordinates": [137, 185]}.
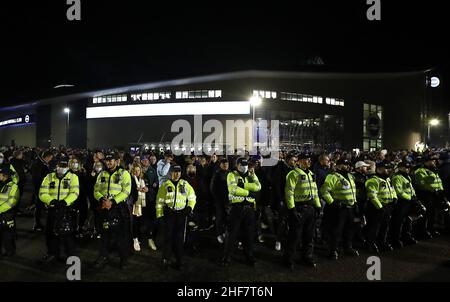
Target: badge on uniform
{"type": "Point", "coordinates": [169, 189]}
{"type": "Point", "coordinates": [182, 189]}
{"type": "Point", "coordinates": [52, 185]}
{"type": "Point", "coordinates": [103, 179]}
{"type": "Point", "coordinates": [117, 179]}
{"type": "Point", "coordinates": [65, 183]}
{"type": "Point", "coordinates": [345, 184]}
{"type": "Point", "coordinates": [303, 177]}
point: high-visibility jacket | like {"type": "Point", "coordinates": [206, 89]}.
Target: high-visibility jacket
{"type": "Point", "coordinates": [337, 187]}
{"type": "Point", "coordinates": [113, 185]}
{"type": "Point", "coordinates": [9, 195]}
{"type": "Point", "coordinates": [380, 191]}
{"type": "Point", "coordinates": [65, 188]}
{"type": "Point", "coordinates": [14, 175]}
{"type": "Point", "coordinates": [403, 186]}
{"type": "Point", "coordinates": [427, 180]}
{"type": "Point", "coordinates": [301, 187]}
{"type": "Point", "coordinates": [237, 194]}
{"type": "Point", "coordinates": [176, 198]}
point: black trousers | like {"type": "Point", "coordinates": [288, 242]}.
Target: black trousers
{"type": "Point", "coordinates": [241, 222]}
{"type": "Point", "coordinates": [81, 205]}
{"type": "Point", "coordinates": [38, 207]}
{"type": "Point", "coordinates": [7, 233]}
{"type": "Point", "coordinates": [429, 200]}
{"type": "Point", "coordinates": [378, 223]}
{"type": "Point", "coordinates": [174, 224]}
{"type": "Point", "coordinates": [281, 223]}
{"type": "Point", "coordinates": [301, 229]}
{"type": "Point", "coordinates": [400, 223]}
{"type": "Point", "coordinates": [55, 242]}
{"type": "Point", "coordinates": [341, 226]}
{"type": "Point", "coordinates": [116, 237]}
{"type": "Point", "coordinates": [221, 216]}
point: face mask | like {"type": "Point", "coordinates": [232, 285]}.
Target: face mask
{"type": "Point", "coordinates": [61, 171]}
{"type": "Point", "coordinates": [76, 166]}
{"type": "Point", "coordinates": [243, 169]}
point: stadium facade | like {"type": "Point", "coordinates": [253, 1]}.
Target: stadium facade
{"type": "Point", "coordinates": [324, 110]}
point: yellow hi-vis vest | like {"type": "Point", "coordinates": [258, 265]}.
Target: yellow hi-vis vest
{"type": "Point", "coordinates": [427, 180]}
{"type": "Point", "coordinates": [175, 198]}
{"type": "Point", "coordinates": [403, 187]}
{"type": "Point", "coordinates": [66, 188]}
{"type": "Point", "coordinates": [237, 194]}
{"type": "Point", "coordinates": [301, 187]}
{"type": "Point", "coordinates": [9, 194]}
{"type": "Point", "coordinates": [337, 187]}
{"type": "Point", "coordinates": [380, 191]}
{"type": "Point", "coordinates": [115, 186]}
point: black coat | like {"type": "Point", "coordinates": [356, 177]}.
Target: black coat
{"type": "Point", "coordinates": [39, 170]}
{"type": "Point", "coordinates": [219, 187]}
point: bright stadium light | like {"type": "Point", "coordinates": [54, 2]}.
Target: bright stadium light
{"type": "Point", "coordinates": [434, 122]}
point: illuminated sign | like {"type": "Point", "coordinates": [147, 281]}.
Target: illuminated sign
{"type": "Point", "coordinates": [435, 82]}
{"type": "Point", "coordinates": [194, 108]}
{"type": "Point", "coordinates": [22, 120]}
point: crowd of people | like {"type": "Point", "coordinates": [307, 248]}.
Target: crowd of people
{"type": "Point", "coordinates": [346, 201]}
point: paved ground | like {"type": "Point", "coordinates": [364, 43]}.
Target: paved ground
{"type": "Point", "coordinates": [427, 261]}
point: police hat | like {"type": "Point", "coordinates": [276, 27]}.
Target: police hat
{"type": "Point", "coordinates": [404, 164]}
{"type": "Point", "coordinates": [4, 169]}
{"type": "Point", "coordinates": [242, 161]}
{"type": "Point", "coordinates": [111, 156]}
{"type": "Point", "coordinates": [385, 164]}
{"type": "Point", "coordinates": [63, 161]}
{"type": "Point", "coordinates": [303, 155]}
{"type": "Point", "coordinates": [175, 168]}
{"type": "Point", "coordinates": [343, 161]}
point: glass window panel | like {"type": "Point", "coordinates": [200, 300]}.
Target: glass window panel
{"type": "Point", "coordinates": [150, 96]}
{"type": "Point", "coordinates": [191, 94]}
{"type": "Point", "coordinates": [204, 93]}
{"type": "Point", "coordinates": [178, 94]}
{"type": "Point", "coordinates": [198, 94]}
{"type": "Point", "coordinates": [185, 94]}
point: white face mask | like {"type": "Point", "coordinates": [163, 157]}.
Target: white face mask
{"type": "Point", "coordinates": [61, 171]}
{"type": "Point", "coordinates": [76, 166]}
{"type": "Point", "coordinates": [243, 169]}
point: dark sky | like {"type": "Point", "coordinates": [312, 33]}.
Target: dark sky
{"type": "Point", "coordinates": [123, 43]}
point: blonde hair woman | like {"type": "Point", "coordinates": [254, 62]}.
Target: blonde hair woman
{"type": "Point", "coordinates": [138, 190]}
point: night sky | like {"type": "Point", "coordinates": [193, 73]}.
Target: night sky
{"type": "Point", "coordinates": [122, 43]}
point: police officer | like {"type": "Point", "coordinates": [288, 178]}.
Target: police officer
{"type": "Point", "coordinates": [382, 196]}
{"type": "Point", "coordinates": [431, 192]}
{"type": "Point", "coordinates": [174, 202]}
{"type": "Point", "coordinates": [9, 195]}
{"type": "Point", "coordinates": [339, 192]}
{"type": "Point", "coordinates": [13, 173]}
{"type": "Point", "coordinates": [242, 188]}
{"type": "Point", "coordinates": [112, 188]}
{"type": "Point", "coordinates": [302, 201]}
{"type": "Point", "coordinates": [361, 175]}
{"type": "Point", "coordinates": [58, 192]}
{"type": "Point", "coordinates": [401, 224]}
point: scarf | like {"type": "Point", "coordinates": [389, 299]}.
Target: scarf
{"type": "Point", "coordinates": [140, 202]}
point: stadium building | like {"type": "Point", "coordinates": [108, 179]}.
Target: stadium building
{"type": "Point", "coordinates": [317, 109]}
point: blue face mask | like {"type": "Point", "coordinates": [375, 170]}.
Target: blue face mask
{"type": "Point", "coordinates": [243, 169]}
